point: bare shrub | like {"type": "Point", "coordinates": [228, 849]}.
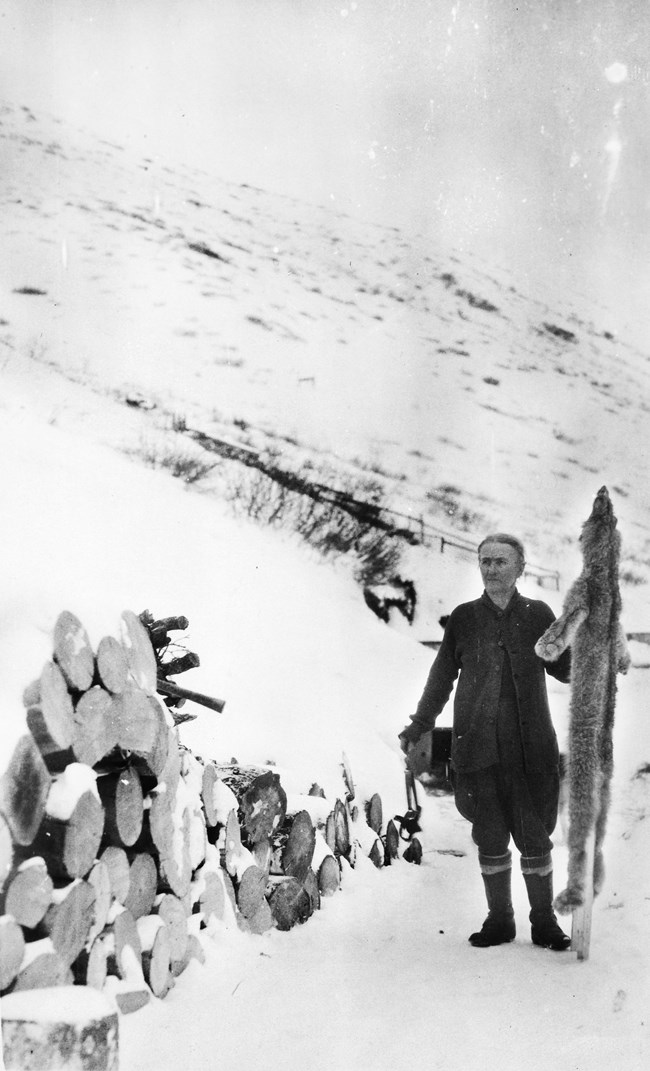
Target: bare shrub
{"type": "Point", "coordinates": [254, 494]}
{"type": "Point", "coordinates": [326, 526]}
{"type": "Point", "coordinates": [379, 556]}
{"type": "Point", "coordinates": [180, 462]}
{"type": "Point", "coordinates": [445, 498]}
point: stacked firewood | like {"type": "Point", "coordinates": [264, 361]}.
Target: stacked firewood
{"type": "Point", "coordinates": [283, 853]}
{"type": "Point", "coordinates": [102, 828]}
{"type": "Point", "coordinates": [118, 846]}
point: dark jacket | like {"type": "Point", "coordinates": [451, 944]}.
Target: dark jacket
{"type": "Point", "coordinates": [476, 638]}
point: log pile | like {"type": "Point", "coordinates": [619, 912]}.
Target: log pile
{"type": "Point", "coordinates": [103, 834]}
{"type": "Point", "coordinates": [118, 846]}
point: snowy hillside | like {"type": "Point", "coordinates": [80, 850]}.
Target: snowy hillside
{"type": "Point", "coordinates": [285, 326]}
{"type": "Point", "coordinates": [138, 301]}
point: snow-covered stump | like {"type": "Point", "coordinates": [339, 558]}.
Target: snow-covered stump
{"type": "Point", "coordinates": [72, 1028]}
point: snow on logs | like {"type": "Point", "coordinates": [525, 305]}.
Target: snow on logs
{"type": "Point", "coordinates": [118, 846]}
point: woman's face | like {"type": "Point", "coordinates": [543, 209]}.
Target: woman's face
{"type": "Point", "coordinates": [500, 567]}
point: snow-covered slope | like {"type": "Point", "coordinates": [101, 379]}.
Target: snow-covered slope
{"type": "Point", "coordinates": [291, 326]}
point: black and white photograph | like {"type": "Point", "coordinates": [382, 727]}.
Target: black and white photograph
{"type": "Point", "coordinates": [325, 585]}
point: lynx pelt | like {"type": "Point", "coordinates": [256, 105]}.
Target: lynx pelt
{"type": "Point", "coordinates": [590, 625]}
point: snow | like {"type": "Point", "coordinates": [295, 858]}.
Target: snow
{"type": "Point", "coordinates": [76, 1005]}
{"type": "Point", "coordinates": [383, 976]}
{"type": "Point", "coordinates": [68, 788]}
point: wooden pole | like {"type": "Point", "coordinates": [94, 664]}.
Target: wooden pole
{"type": "Point", "coordinates": [581, 919]}
{"type": "Point", "coordinates": [174, 690]}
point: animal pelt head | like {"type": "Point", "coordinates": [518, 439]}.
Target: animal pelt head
{"type": "Point", "coordinates": [599, 540]}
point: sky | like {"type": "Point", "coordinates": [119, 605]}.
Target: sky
{"type": "Point", "coordinates": [517, 131]}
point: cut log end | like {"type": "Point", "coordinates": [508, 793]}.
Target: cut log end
{"type": "Point", "coordinates": [299, 849]}
{"type": "Point", "coordinates": [69, 920]}
{"type": "Point", "coordinates": [329, 876]}
{"type": "Point", "coordinates": [250, 891]}
{"type": "Point", "coordinates": [413, 853]}
{"type": "Point", "coordinates": [263, 807]}
{"type": "Point", "coordinates": [289, 904]}
{"type": "Point", "coordinates": [29, 893]}
{"type": "Point", "coordinates": [12, 948]}
{"type": "Point", "coordinates": [139, 651]}
{"type": "Point", "coordinates": [24, 788]}
{"type": "Point", "coordinates": [143, 881]}
{"type": "Point", "coordinates": [112, 664]}
{"type": "Point", "coordinates": [374, 813]}
{"type": "Point", "coordinates": [73, 653]}
{"type": "Point", "coordinates": [391, 846]}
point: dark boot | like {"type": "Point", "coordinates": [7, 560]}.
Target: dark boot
{"type": "Point", "coordinates": [545, 931]}
{"type": "Point", "coordinates": [499, 926]}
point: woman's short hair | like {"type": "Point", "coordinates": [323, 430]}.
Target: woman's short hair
{"type": "Point", "coordinates": [504, 537]}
